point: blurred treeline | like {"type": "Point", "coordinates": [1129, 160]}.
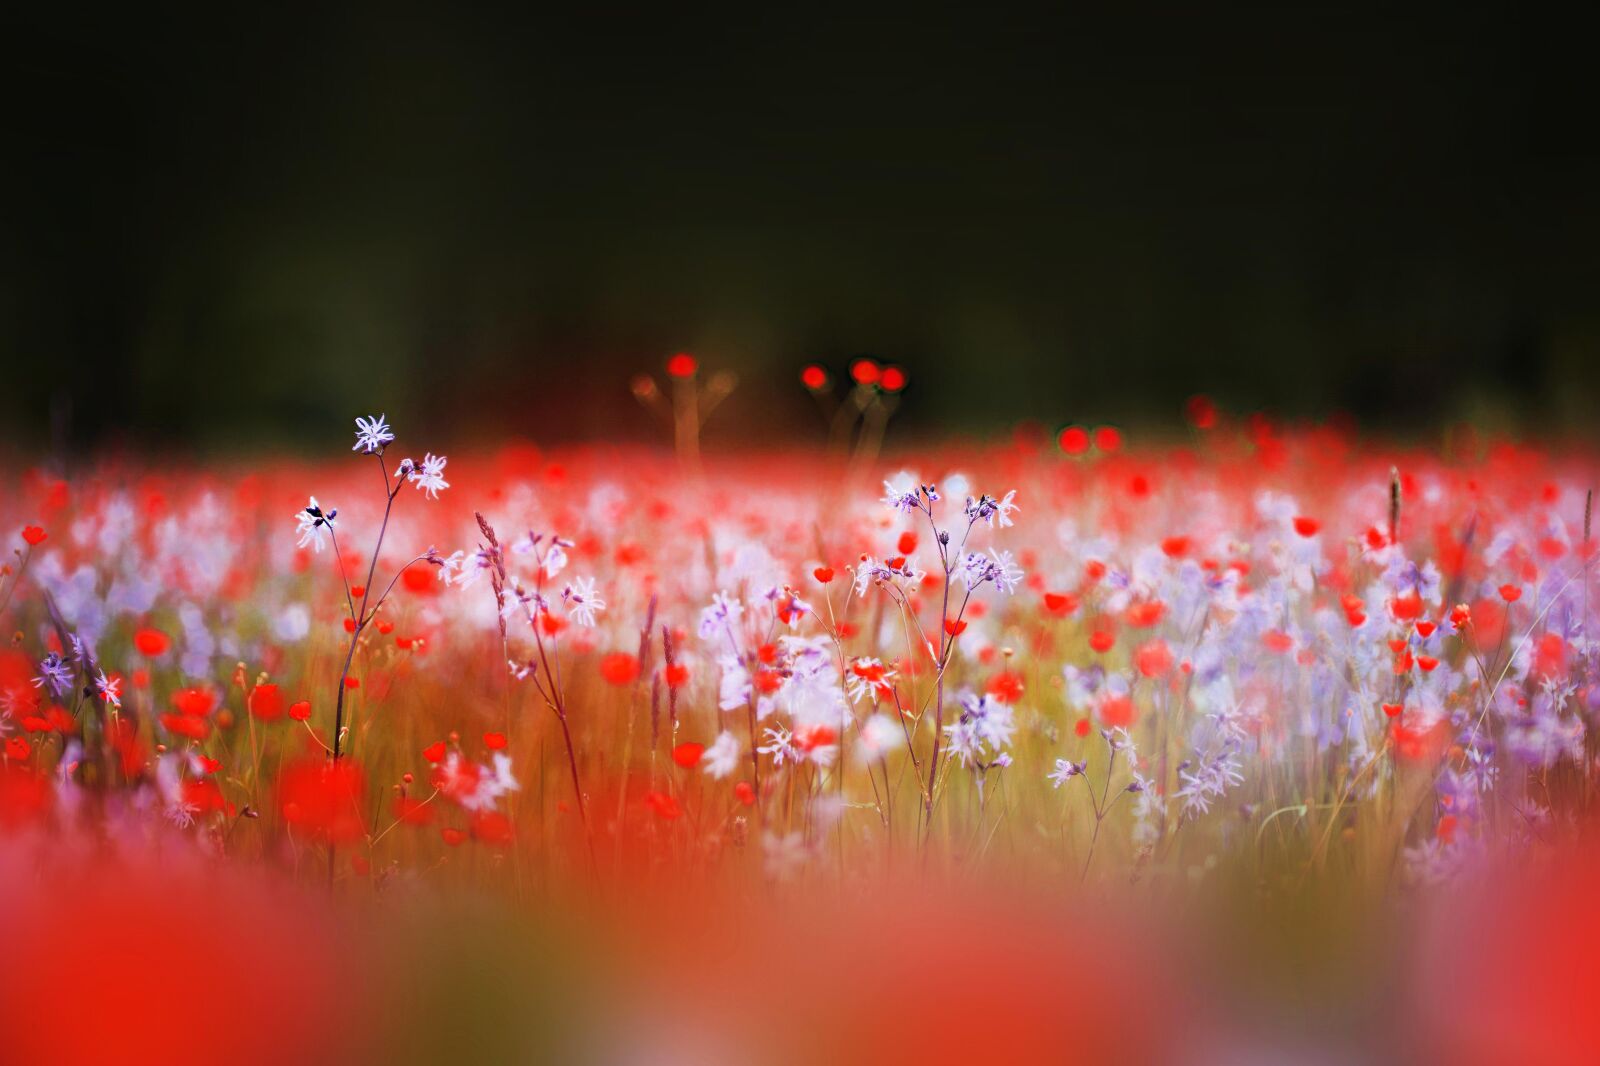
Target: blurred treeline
{"type": "Point", "coordinates": [226, 229]}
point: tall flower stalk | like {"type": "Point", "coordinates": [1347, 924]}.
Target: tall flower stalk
{"type": "Point", "coordinates": [373, 437]}
{"type": "Point", "coordinates": [975, 570]}
{"type": "Point", "coordinates": [316, 524]}
{"type": "Point", "coordinates": [580, 603]}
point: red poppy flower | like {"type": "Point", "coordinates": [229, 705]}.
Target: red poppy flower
{"type": "Point", "coordinates": [1074, 440]}
{"type": "Point", "coordinates": [1154, 659]}
{"type": "Point", "coordinates": [203, 795]}
{"type": "Point", "coordinates": [1142, 615]}
{"type": "Point", "coordinates": [491, 827]}
{"type": "Point", "coordinates": [151, 642]}
{"type": "Point", "coordinates": [198, 702]}
{"type": "Point", "coordinates": [619, 668]}
{"type": "Point", "coordinates": [1117, 710]}
{"type": "Point", "coordinates": [1005, 686]}
{"type": "Point", "coordinates": [322, 798]}
{"type": "Point", "coordinates": [266, 703]}
{"type": "Point", "coordinates": [865, 372]}
{"type": "Point", "coordinates": [186, 726]}
{"type": "Point", "coordinates": [1060, 603]}
{"type": "Point", "coordinates": [1406, 607]}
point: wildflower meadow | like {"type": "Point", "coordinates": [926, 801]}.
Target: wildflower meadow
{"type": "Point", "coordinates": [1226, 740]}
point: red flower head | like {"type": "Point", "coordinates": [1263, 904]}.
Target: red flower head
{"type": "Point", "coordinates": [1117, 710]}
{"type": "Point", "coordinates": [682, 365]}
{"type": "Point", "coordinates": [186, 726]}
{"type": "Point", "coordinates": [197, 702]}
{"type": "Point", "coordinates": [1005, 686]}
{"type": "Point", "coordinates": [151, 642]}
{"type": "Point", "coordinates": [266, 703]}
{"type": "Point", "coordinates": [1074, 440]}
{"type": "Point", "coordinates": [619, 668]}
{"type": "Point", "coordinates": [322, 799]}
{"type": "Point", "coordinates": [491, 827]}
{"type": "Point", "coordinates": [1154, 659]}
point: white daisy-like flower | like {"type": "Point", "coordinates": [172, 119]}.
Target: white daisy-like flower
{"type": "Point", "coordinates": [429, 476]}
{"type": "Point", "coordinates": [372, 434]}
{"type": "Point", "coordinates": [1007, 574]}
{"type": "Point", "coordinates": [582, 600]}
{"type": "Point", "coordinates": [1065, 771]}
{"type": "Point", "coordinates": [315, 525]}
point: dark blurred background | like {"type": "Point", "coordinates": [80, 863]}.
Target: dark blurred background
{"type": "Point", "coordinates": [234, 227]}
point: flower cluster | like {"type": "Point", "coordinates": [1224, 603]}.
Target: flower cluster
{"type": "Point", "coordinates": [1242, 649]}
